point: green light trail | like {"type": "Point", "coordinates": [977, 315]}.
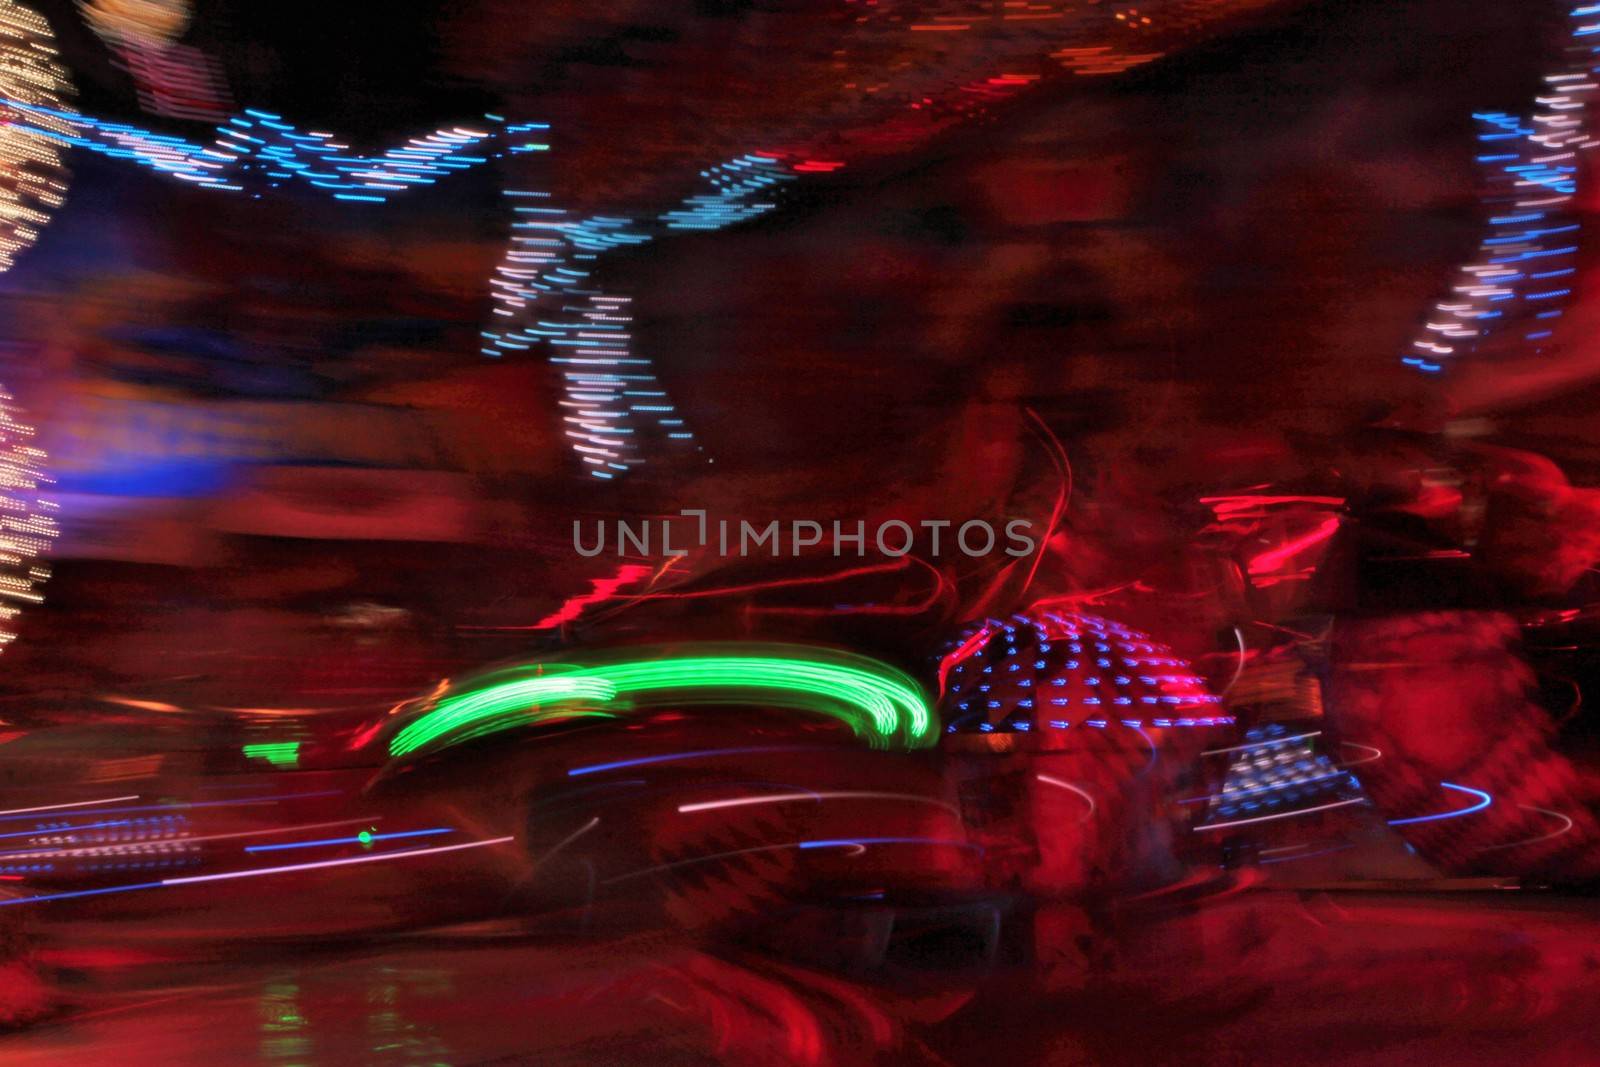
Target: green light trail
{"type": "Point", "coordinates": [277, 753]}
{"type": "Point", "coordinates": [879, 703]}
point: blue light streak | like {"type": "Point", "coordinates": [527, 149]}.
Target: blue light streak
{"type": "Point", "coordinates": [672, 757]}
{"type": "Point", "coordinates": [1484, 800]}
{"type": "Point", "coordinates": [862, 842]}
{"type": "Point", "coordinates": [353, 840]}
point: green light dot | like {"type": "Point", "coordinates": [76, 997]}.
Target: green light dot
{"type": "Point", "coordinates": [365, 837]}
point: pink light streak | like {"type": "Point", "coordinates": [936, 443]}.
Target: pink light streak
{"type": "Point", "coordinates": [1250, 504]}
{"type": "Point", "coordinates": [959, 655]}
{"type": "Point", "coordinates": [1272, 559]}
{"type": "Point", "coordinates": [785, 798]}
{"type": "Point", "coordinates": [74, 804]}
{"type": "Point", "coordinates": [321, 864]}
{"type": "Point", "coordinates": [603, 589]}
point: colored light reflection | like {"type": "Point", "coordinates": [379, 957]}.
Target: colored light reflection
{"type": "Point", "coordinates": [880, 703]}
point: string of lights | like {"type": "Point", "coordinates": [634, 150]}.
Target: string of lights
{"type": "Point", "coordinates": [33, 181]}
{"type": "Point", "coordinates": [1055, 670]}
{"type": "Point", "coordinates": [256, 151]}
{"type": "Point", "coordinates": [1517, 284]}
{"type": "Point", "coordinates": [542, 289]}
{"type": "Point", "coordinates": [1277, 771]}
{"type": "Point", "coordinates": [543, 293]}
{"type": "Point", "coordinates": [27, 519]}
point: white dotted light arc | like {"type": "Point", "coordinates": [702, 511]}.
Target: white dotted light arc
{"type": "Point", "coordinates": [27, 521]}
{"type": "Point", "coordinates": [33, 183]}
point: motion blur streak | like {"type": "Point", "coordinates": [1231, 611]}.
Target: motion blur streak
{"type": "Point", "coordinates": [673, 757]}
{"type": "Point", "coordinates": [1483, 801]}
{"type": "Point", "coordinates": [277, 149]}
{"type": "Point", "coordinates": [1069, 787]}
{"type": "Point", "coordinates": [31, 172]}
{"type": "Point", "coordinates": [74, 894]}
{"type": "Point", "coordinates": [786, 798]}
{"type": "Point", "coordinates": [74, 804]}
{"type": "Point", "coordinates": [1377, 754]}
{"type": "Point", "coordinates": [696, 860]}
{"type": "Point", "coordinates": [1567, 823]}
{"type": "Point", "coordinates": [259, 872]}
{"type": "Point", "coordinates": [381, 857]}
{"type": "Point", "coordinates": [1271, 560]}
{"type": "Point", "coordinates": [565, 841]}
{"type": "Point", "coordinates": [184, 805]}
{"type": "Point", "coordinates": [501, 707]}
{"type": "Point", "coordinates": [857, 842]}
{"type": "Point", "coordinates": [1276, 740]}
{"type": "Point", "coordinates": [196, 839]}
{"type": "Point", "coordinates": [364, 838]}
{"type": "Point", "coordinates": [603, 590]}
{"type": "Point", "coordinates": [874, 699]}
{"type": "Point", "coordinates": [1280, 815]}
{"type": "Point", "coordinates": [1309, 855]}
